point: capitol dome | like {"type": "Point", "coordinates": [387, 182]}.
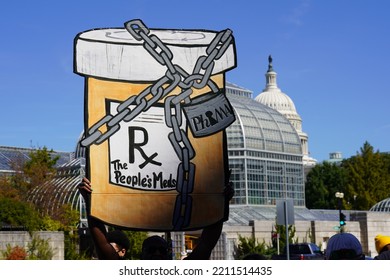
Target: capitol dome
{"type": "Point", "coordinates": [278, 100]}
{"type": "Point", "coordinates": [273, 97]}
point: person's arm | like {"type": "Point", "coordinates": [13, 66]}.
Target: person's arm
{"type": "Point", "coordinates": [210, 234]}
{"type": "Point", "coordinates": [104, 249]}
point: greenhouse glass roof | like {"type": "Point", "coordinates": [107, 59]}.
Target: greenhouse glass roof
{"type": "Point", "coordinates": [260, 127]}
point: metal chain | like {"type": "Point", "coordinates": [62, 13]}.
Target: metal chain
{"type": "Point", "coordinates": [175, 76]}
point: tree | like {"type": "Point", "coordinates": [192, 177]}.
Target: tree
{"type": "Point", "coordinates": [16, 210]}
{"type": "Point", "coordinates": [7, 190]}
{"type": "Point", "coordinates": [386, 161]}
{"type": "Point", "coordinates": [364, 179]}
{"type": "Point", "coordinates": [323, 181]}
{"type": "Point", "coordinates": [250, 245]}
{"type": "Point", "coordinates": [36, 170]}
{"type": "Point", "coordinates": [19, 213]}
{"type": "Point", "coordinates": [40, 167]}
{"type": "Point", "coordinates": [368, 178]}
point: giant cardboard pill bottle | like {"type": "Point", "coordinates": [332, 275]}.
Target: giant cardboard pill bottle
{"type": "Point", "coordinates": [154, 119]}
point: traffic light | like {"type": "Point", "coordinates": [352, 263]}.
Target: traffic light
{"type": "Point", "coordinates": [342, 219]}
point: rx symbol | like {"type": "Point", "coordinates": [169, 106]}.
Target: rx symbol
{"type": "Point", "coordinates": [133, 145]}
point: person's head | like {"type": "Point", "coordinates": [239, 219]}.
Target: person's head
{"type": "Point", "coordinates": [382, 243]}
{"type": "Point", "coordinates": [155, 248]}
{"type": "Point", "coordinates": [344, 246]}
{"type": "Point", "coordinates": [119, 241]}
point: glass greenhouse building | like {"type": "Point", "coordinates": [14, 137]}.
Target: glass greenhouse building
{"type": "Point", "coordinates": [265, 153]}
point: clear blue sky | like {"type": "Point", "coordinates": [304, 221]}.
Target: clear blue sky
{"type": "Point", "coordinates": [332, 58]}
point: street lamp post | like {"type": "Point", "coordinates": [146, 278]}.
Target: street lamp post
{"type": "Point", "coordinates": [340, 196]}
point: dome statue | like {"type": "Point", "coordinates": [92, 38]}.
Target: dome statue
{"type": "Point", "coordinates": [273, 97]}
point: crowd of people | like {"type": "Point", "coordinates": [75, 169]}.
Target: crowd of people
{"type": "Point", "coordinates": [345, 246]}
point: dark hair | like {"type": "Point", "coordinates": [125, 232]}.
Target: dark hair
{"type": "Point", "coordinates": [346, 254]}
{"type": "Point", "coordinates": [154, 239]}
{"type": "Point", "coordinates": [120, 238]}
{"type": "Point", "coordinates": [152, 245]}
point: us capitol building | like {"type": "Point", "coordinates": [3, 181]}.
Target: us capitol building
{"type": "Point", "coordinates": [269, 158]}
